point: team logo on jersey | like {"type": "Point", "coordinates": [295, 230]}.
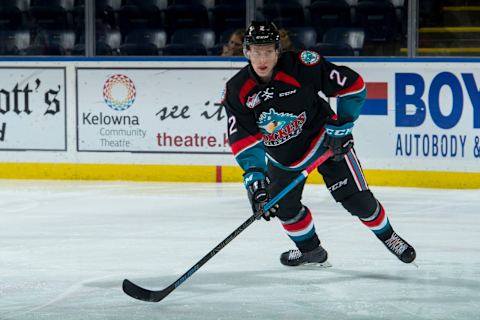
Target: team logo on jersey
{"type": "Point", "coordinates": [267, 94]}
{"type": "Point", "coordinates": [253, 101]}
{"type": "Point", "coordinates": [309, 58]}
{"type": "Point", "coordinates": [278, 127]}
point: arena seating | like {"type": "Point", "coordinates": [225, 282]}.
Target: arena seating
{"type": "Point", "coordinates": [156, 27]}
{"type": "Point", "coordinates": [14, 42]}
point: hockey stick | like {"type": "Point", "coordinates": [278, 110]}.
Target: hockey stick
{"type": "Point", "coordinates": [140, 293]}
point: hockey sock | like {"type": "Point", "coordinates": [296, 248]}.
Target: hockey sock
{"type": "Point", "coordinates": [378, 223]}
{"type": "Point", "coordinates": [301, 230]}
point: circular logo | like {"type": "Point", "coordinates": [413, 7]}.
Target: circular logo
{"type": "Point", "coordinates": [119, 92]}
{"type": "Point", "coordinates": [309, 58]}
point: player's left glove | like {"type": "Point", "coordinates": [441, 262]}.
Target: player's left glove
{"type": "Point", "coordinates": [256, 183]}
{"type": "Point", "coordinates": [338, 138]}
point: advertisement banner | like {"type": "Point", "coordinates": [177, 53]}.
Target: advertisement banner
{"type": "Point", "coordinates": [33, 109]}
{"type": "Point", "coordinates": [420, 116]}
{"type": "Point", "coordinates": [417, 116]}
{"type": "Point", "coordinates": [152, 110]}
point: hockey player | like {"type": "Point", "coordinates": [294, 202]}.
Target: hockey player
{"type": "Point", "coordinates": [275, 113]}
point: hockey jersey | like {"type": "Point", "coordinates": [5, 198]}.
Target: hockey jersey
{"type": "Point", "coordinates": [283, 120]}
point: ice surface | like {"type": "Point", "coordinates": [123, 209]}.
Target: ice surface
{"type": "Point", "coordinates": [65, 248]}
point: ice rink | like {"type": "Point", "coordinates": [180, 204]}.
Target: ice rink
{"type": "Point", "coordinates": [65, 248]}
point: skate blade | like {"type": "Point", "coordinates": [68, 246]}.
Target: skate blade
{"type": "Point", "coordinates": [316, 265]}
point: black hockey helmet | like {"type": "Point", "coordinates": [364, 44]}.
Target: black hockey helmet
{"type": "Point", "coordinates": [261, 32]}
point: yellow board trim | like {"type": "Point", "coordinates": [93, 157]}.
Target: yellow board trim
{"type": "Point", "coordinates": [448, 29]}
{"type": "Point", "coordinates": [190, 173]}
{"type": "Point", "coordinates": [128, 172]}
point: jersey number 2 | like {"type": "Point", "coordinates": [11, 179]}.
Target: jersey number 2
{"type": "Point", "coordinates": [231, 125]}
{"type": "Point", "coordinates": [335, 75]}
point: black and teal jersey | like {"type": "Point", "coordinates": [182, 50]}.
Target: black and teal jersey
{"type": "Point", "coordinates": [283, 120]}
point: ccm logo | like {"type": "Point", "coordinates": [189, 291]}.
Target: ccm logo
{"type": "Point", "coordinates": [338, 132]}
{"type": "Point", "coordinates": [338, 185]}
{"type": "Point", "coordinates": [287, 93]}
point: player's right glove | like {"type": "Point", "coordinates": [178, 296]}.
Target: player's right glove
{"type": "Point", "coordinates": [338, 138]}
{"type": "Point", "coordinates": [256, 183]}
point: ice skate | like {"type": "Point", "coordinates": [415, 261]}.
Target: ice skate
{"type": "Point", "coordinates": [399, 247]}
{"type": "Point", "coordinates": [317, 257]}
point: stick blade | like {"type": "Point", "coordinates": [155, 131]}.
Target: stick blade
{"type": "Point", "coordinates": [143, 294]}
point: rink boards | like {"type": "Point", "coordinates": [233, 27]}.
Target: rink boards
{"type": "Point", "coordinates": [160, 119]}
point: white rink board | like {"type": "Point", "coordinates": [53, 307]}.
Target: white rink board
{"type": "Point", "coordinates": [32, 109]}
{"type": "Point", "coordinates": [433, 117]}
{"type": "Point", "coordinates": [447, 139]}
{"type": "Point", "coordinates": [174, 110]}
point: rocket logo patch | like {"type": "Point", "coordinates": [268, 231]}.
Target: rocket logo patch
{"type": "Point", "coordinates": [278, 127]}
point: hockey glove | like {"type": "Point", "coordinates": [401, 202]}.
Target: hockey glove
{"type": "Point", "coordinates": [257, 188]}
{"type": "Point", "coordinates": [338, 138]}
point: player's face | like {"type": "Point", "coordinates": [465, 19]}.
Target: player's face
{"type": "Point", "coordinates": [263, 59]}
